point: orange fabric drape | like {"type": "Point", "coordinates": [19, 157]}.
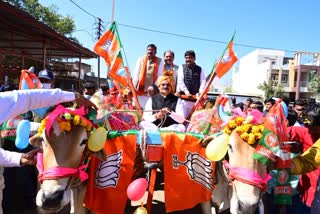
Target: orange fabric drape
{"type": "Point", "coordinates": [188, 175]}
{"type": "Point", "coordinates": [109, 180]}
{"type": "Point", "coordinates": [143, 72]}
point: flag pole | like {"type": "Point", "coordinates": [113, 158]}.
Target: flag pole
{"type": "Point", "coordinates": [213, 74]}
{"type": "Point", "coordinates": [129, 78]}
{"type": "Point", "coordinates": [112, 14]}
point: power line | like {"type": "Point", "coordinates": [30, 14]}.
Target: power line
{"type": "Point", "coordinates": [181, 35]}
{"type": "Point", "coordinates": [201, 39]}
{"type": "Point", "coordinates": [81, 8]}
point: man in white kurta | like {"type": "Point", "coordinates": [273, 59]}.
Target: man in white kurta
{"type": "Point", "coordinates": [191, 81]}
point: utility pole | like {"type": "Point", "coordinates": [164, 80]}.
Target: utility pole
{"type": "Point", "coordinates": [99, 29]}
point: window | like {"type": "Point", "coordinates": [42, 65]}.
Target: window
{"type": "Point", "coordinates": [274, 77]}
{"type": "Point", "coordinates": [284, 78]}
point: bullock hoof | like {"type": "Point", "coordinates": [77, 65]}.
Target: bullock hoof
{"type": "Point", "coordinates": [52, 201]}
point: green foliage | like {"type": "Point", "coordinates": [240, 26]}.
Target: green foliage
{"type": "Point", "coordinates": [48, 15]}
{"type": "Point", "coordinates": [228, 89]}
{"type": "Point", "coordinates": [270, 90]}
{"type": "Point", "coordinates": [267, 88]}
{"type": "Point", "coordinates": [314, 85]}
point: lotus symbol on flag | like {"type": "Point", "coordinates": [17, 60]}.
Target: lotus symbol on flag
{"type": "Point", "coordinates": [226, 57]}
{"type": "Point", "coordinates": [107, 174]}
{"type": "Point", "coordinates": [198, 168]}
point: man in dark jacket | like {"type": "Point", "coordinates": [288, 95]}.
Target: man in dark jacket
{"type": "Point", "coordinates": [163, 110]}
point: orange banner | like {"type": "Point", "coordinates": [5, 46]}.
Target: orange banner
{"type": "Point", "coordinates": [188, 174]}
{"type": "Point", "coordinates": [108, 180]}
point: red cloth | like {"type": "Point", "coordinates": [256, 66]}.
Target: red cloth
{"type": "Point", "coordinates": [308, 182]}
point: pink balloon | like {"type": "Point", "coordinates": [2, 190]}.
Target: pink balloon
{"type": "Point", "coordinates": [137, 188]}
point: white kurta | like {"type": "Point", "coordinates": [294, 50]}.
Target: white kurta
{"type": "Point", "coordinates": [181, 87]}
{"type": "Point", "coordinates": [17, 102]}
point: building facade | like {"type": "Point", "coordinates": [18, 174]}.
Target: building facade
{"type": "Point", "coordinates": [292, 74]}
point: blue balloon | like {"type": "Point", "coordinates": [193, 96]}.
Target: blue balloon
{"type": "Point", "coordinates": [285, 108]}
{"type": "Point", "coordinates": [22, 134]}
{"type": "Point", "coordinates": [222, 114]}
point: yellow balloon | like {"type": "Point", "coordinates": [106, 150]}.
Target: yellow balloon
{"type": "Point", "coordinates": [140, 210]}
{"type": "Point", "coordinates": [97, 139]}
{"type": "Point", "coordinates": [217, 148]}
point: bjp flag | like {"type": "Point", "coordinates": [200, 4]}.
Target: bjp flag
{"type": "Point", "coordinates": [227, 60]}
{"type": "Point", "coordinates": [118, 72]}
{"type": "Point", "coordinates": [188, 174]}
{"type": "Point", "coordinates": [108, 46]}
{"type": "Point", "coordinates": [108, 180]}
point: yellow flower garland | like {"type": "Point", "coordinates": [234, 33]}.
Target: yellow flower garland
{"type": "Point", "coordinates": [65, 121]}
{"type": "Point", "coordinates": [250, 133]}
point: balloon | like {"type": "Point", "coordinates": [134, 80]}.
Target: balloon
{"type": "Point", "coordinates": [97, 139]}
{"type": "Point", "coordinates": [217, 148]}
{"type": "Point", "coordinates": [224, 116]}
{"type": "Point", "coordinates": [285, 109]}
{"type": "Point", "coordinates": [137, 188]}
{"type": "Point", "coordinates": [23, 132]}
{"type": "Point", "coordinates": [140, 210]}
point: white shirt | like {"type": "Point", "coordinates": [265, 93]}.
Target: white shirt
{"type": "Point", "coordinates": [9, 159]}
{"type": "Point", "coordinates": [150, 117]}
{"type": "Point", "coordinates": [181, 86]}
{"type": "Point", "coordinates": [13, 103]}
{"type": "Point", "coordinates": [137, 69]}
{"type": "Point", "coordinates": [175, 72]}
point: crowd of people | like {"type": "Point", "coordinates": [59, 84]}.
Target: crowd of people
{"type": "Point", "coordinates": [166, 92]}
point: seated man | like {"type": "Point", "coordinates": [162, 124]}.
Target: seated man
{"type": "Point", "coordinates": [160, 109]}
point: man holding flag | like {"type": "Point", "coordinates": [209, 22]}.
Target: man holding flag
{"type": "Point", "coordinates": [226, 61]}
{"type": "Point", "coordinates": [191, 81]}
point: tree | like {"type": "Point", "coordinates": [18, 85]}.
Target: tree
{"type": "Point", "coordinates": [48, 15]}
{"type": "Point", "coordinates": [315, 84]}
{"type": "Point", "coordinates": [267, 88]}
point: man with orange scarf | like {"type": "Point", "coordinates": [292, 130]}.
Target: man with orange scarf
{"type": "Point", "coordinates": [164, 110]}
{"type": "Point", "coordinates": [146, 72]}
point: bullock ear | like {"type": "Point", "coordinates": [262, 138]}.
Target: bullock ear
{"type": "Point", "coordinates": [35, 140]}
{"type": "Point", "coordinates": [101, 155]}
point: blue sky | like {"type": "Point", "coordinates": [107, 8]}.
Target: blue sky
{"type": "Point", "coordinates": [277, 24]}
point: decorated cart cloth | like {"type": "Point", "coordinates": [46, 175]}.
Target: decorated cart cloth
{"type": "Point", "coordinates": [111, 117]}
{"type": "Point", "coordinates": [185, 166]}
{"type": "Point", "coordinates": [188, 174]}
{"type": "Point", "coordinates": [108, 180]}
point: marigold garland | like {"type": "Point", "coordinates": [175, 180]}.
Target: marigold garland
{"type": "Point", "coordinates": [250, 133]}
{"type": "Point", "coordinates": [65, 120]}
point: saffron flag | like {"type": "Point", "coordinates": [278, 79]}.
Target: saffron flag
{"type": "Point", "coordinates": [118, 72]}
{"type": "Point", "coordinates": [188, 174]}
{"type": "Point", "coordinates": [109, 180]}
{"type": "Point", "coordinates": [109, 45]}
{"type": "Point", "coordinates": [227, 60]}
{"type": "Point", "coordinates": [274, 134]}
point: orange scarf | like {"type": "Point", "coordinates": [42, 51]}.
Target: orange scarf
{"type": "Point", "coordinates": [143, 72]}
